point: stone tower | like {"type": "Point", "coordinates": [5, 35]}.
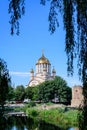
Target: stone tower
{"type": "Point", "coordinates": [77, 96]}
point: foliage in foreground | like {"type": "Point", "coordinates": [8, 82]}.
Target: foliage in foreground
{"type": "Point", "coordinates": [57, 116]}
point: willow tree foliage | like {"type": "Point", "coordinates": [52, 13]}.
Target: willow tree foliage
{"type": "Point", "coordinates": [74, 14]}
{"type": "Point", "coordinates": [4, 83]}
{"type": "Point", "coordinates": [16, 10]}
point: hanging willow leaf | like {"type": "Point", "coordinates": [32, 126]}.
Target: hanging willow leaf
{"type": "Point", "coordinates": [16, 10]}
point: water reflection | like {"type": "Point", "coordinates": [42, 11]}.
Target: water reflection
{"type": "Point", "coordinates": [24, 123]}
{"type": "Point", "coordinates": [74, 128]}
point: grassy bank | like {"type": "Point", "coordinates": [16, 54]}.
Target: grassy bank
{"type": "Point", "coordinates": [57, 116]}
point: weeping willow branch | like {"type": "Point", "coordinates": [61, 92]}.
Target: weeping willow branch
{"type": "Point", "coordinates": [16, 10]}
{"type": "Point", "coordinates": [74, 14]}
{"type": "Point", "coordinates": [68, 18]}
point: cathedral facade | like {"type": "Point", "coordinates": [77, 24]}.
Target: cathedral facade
{"type": "Point", "coordinates": [43, 72]}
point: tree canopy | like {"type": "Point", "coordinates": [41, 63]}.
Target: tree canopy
{"type": "Point", "coordinates": [32, 92]}
{"type": "Point", "coordinates": [11, 93]}
{"type": "Point", "coordinates": [19, 92]}
{"type": "Point", "coordinates": [53, 90]}
{"type": "Point", "coordinates": [4, 82]}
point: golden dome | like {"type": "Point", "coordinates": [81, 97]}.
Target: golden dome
{"type": "Point", "coordinates": [43, 60]}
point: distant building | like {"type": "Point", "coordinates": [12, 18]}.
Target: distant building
{"type": "Point", "coordinates": [77, 96]}
{"type": "Point", "coordinates": [43, 72]}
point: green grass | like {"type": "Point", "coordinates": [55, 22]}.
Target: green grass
{"type": "Point", "coordinates": [56, 116]}
{"type": "Point", "coordinates": [61, 116]}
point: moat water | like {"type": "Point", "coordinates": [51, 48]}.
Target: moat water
{"type": "Point", "coordinates": [24, 123]}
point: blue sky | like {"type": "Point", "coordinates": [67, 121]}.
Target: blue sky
{"type": "Point", "coordinates": [22, 52]}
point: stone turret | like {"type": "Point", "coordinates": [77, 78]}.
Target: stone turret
{"type": "Point", "coordinates": [77, 96]}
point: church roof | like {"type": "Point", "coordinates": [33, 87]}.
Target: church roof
{"type": "Point", "coordinates": [43, 60]}
{"type": "Point", "coordinates": [31, 71]}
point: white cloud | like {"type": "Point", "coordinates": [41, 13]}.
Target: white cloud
{"type": "Point", "coordinates": [24, 74]}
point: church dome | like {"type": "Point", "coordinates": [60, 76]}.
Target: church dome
{"type": "Point", "coordinates": [31, 71]}
{"type": "Point", "coordinates": [53, 71]}
{"type": "Point", "coordinates": [43, 60]}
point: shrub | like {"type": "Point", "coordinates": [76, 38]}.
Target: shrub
{"type": "Point", "coordinates": [31, 104]}
{"type": "Point", "coordinates": [32, 112]}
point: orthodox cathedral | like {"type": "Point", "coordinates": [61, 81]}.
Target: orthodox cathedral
{"type": "Point", "coordinates": [43, 72]}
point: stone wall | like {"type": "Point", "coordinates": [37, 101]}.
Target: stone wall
{"type": "Point", "coordinates": [77, 96]}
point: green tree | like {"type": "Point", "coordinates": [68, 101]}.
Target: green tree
{"type": "Point", "coordinates": [4, 83]}
{"type": "Point", "coordinates": [11, 93]}
{"type": "Point", "coordinates": [19, 92]}
{"type": "Point", "coordinates": [62, 89]}
{"type": "Point", "coordinates": [55, 88]}
{"type": "Point", "coordinates": [45, 91]}
{"type": "Point", "coordinates": [35, 92]}
{"type": "Point", "coordinates": [28, 93]}
{"type": "Point", "coordinates": [32, 92]}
